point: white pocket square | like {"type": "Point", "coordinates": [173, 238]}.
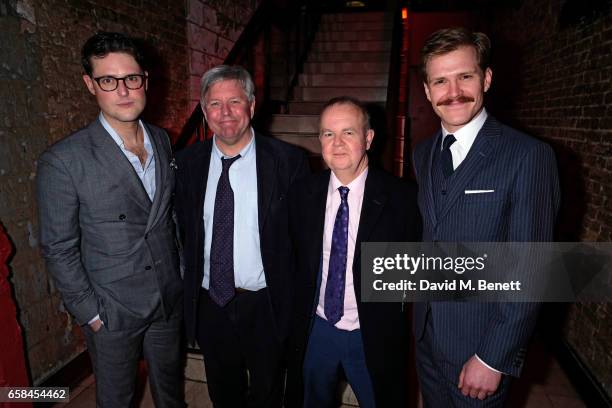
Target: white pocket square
{"type": "Point", "coordinates": [478, 191]}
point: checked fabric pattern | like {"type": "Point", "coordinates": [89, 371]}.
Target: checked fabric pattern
{"type": "Point", "coordinates": [336, 275]}
{"type": "Point", "coordinates": [222, 286]}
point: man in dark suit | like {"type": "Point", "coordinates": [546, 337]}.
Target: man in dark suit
{"type": "Point", "coordinates": [331, 214]}
{"type": "Point", "coordinates": [231, 203]}
{"type": "Point", "coordinates": [106, 230]}
{"type": "Point", "coordinates": [478, 181]}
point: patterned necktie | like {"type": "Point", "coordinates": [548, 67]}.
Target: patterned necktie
{"type": "Point", "coordinates": [447, 157]}
{"type": "Point", "coordinates": [336, 274]}
{"type": "Point", "coordinates": [222, 287]}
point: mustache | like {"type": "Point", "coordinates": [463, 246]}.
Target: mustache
{"type": "Point", "coordinates": [460, 98]}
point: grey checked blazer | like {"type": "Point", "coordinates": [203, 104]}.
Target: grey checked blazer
{"type": "Point", "coordinates": [110, 250]}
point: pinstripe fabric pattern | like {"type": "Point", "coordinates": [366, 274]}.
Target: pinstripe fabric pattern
{"type": "Point", "coordinates": [523, 174]}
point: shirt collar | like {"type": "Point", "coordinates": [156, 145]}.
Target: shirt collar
{"type": "Point", "coordinates": [356, 187]}
{"type": "Point", "coordinates": [467, 134]}
{"type": "Point", "coordinates": [113, 133]}
{"type": "Point", "coordinates": [247, 150]}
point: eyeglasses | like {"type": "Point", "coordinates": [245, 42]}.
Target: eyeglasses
{"type": "Point", "coordinates": [110, 83]}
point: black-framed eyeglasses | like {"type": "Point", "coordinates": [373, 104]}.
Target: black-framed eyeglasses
{"type": "Point", "coordinates": [110, 83]}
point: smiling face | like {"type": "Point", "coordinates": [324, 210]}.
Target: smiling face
{"type": "Point", "coordinates": [228, 113]}
{"type": "Point", "coordinates": [121, 106]}
{"type": "Point", "coordinates": [344, 141]}
{"type": "Point", "coordinates": [455, 86]}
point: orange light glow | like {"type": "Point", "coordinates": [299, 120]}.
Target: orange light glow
{"type": "Point", "coordinates": [404, 13]}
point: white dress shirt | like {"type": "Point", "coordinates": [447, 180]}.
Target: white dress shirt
{"type": "Point", "coordinates": [465, 137]}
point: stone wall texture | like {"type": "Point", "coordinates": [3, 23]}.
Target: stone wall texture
{"type": "Point", "coordinates": [553, 78]}
{"type": "Point", "coordinates": [43, 99]}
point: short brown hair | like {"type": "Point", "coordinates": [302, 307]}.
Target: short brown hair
{"type": "Point", "coordinates": [450, 39]}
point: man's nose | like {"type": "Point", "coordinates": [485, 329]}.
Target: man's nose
{"type": "Point", "coordinates": [122, 89]}
{"type": "Point", "coordinates": [454, 89]}
{"type": "Point", "coordinates": [225, 109]}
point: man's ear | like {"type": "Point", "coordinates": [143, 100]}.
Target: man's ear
{"type": "Point", "coordinates": [90, 84]}
{"type": "Point", "coordinates": [146, 85]}
{"type": "Point", "coordinates": [369, 138]}
{"type": "Point", "coordinates": [488, 77]}
{"type": "Point", "coordinates": [253, 107]}
{"type": "Point", "coordinates": [426, 91]}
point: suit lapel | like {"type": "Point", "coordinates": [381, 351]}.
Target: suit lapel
{"type": "Point", "coordinates": [472, 164]}
{"type": "Point", "coordinates": [428, 199]}
{"type": "Point", "coordinates": [316, 201]}
{"type": "Point", "coordinates": [200, 178]}
{"type": "Point", "coordinates": [266, 165]}
{"type": "Point", "coordinates": [374, 199]}
{"type": "Point", "coordinates": [160, 175]}
{"type": "Point", "coordinates": [118, 166]}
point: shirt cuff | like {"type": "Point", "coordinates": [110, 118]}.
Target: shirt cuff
{"type": "Point", "coordinates": [486, 365]}
{"type": "Point", "coordinates": [97, 317]}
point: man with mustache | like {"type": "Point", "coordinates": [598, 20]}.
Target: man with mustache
{"type": "Point", "coordinates": [479, 180]}
{"type": "Point", "coordinates": [231, 203]}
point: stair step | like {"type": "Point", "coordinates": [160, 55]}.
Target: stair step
{"type": "Point", "coordinates": [372, 94]}
{"type": "Point", "coordinates": [353, 26]}
{"type": "Point", "coordinates": [308, 141]}
{"type": "Point", "coordinates": [305, 108]}
{"type": "Point", "coordinates": [328, 57]}
{"type": "Point", "coordinates": [358, 35]}
{"type": "Point", "coordinates": [343, 80]}
{"type": "Point", "coordinates": [374, 17]}
{"type": "Point", "coordinates": [344, 46]}
{"type": "Point", "coordinates": [294, 124]}
{"type": "Point", "coordinates": [364, 67]}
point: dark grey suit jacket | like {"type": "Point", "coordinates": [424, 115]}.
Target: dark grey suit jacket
{"type": "Point", "coordinates": [110, 250]}
{"type": "Point", "coordinates": [523, 174]}
{"type": "Point", "coordinates": [388, 214]}
{"type": "Point", "coordinates": [279, 165]}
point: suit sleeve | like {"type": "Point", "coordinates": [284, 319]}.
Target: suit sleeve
{"type": "Point", "coordinates": [533, 208]}
{"type": "Point", "coordinates": [60, 237]}
{"type": "Point", "coordinates": [302, 169]}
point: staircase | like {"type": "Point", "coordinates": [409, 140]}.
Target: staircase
{"type": "Point", "coordinates": [349, 56]}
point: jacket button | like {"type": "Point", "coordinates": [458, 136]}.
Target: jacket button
{"type": "Point", "coordinates": [122, 217]}
{"type": "Point", "coordinates": [148, 268]}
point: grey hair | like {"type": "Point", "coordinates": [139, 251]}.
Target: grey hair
{"type": "Point", "coordinates": [225, 73]}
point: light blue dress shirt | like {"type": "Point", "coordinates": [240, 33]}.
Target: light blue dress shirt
{"type": "Point", "coordinates": [145, 173]}
{"type": "Point", "coordinates": [248, 266]}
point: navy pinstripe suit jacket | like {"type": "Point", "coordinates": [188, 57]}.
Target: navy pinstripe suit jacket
{"type": "Point", "coordinates": [522, 172]}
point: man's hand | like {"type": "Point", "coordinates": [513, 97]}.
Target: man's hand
{"type": "Point", "coordinates": [477, 380]}
{"type": "Point", "coordinates": [96, 325]}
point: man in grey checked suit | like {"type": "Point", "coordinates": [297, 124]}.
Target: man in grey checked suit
{"type": "Point", "coordinates": [104, 197]}
{"type": "Point", "coordinates": [479, 180]}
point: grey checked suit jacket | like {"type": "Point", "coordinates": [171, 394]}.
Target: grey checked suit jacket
{"type": "Point", "coordinates": [110, 250]}
{"type": "Point", "coordinates": [522, 172]}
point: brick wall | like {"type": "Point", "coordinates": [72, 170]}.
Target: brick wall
{"type": "Point", "coordinates": [43, 99]}
{"type": "Point", "coordinates": [553, 78]}
{"type": "Point", "coordinates": [213, 26]}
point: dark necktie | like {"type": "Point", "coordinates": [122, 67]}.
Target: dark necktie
{"type": "Point", "coordinates": [222, 287]}
{"type": "Point", "coordinates": [447, 157]}
{"type": "Point", "coordinates": [336, 274]}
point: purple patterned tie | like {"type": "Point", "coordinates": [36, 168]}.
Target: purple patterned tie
{"type": "Point", "coordinates": [222, 287]}
{"type": "Point", "coordinates": [336, 274]}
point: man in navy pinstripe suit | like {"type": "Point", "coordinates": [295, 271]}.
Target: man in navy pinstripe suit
{"type": "Point", "coordinates": [479, 181]}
